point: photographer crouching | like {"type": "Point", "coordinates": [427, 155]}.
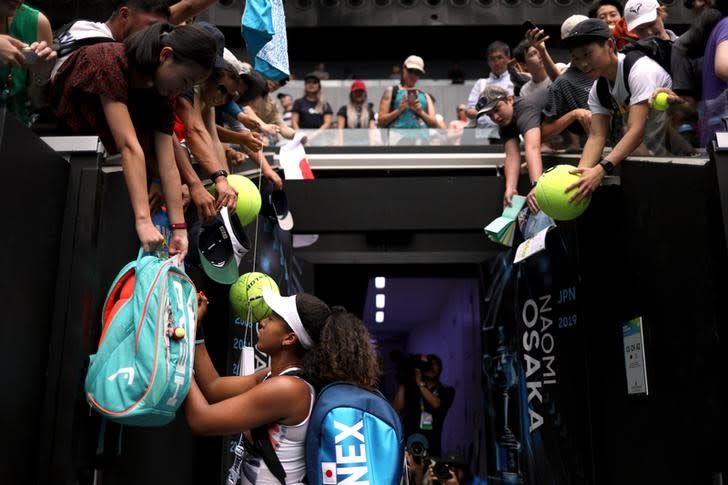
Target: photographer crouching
{"type": "Point", "coordinates": [422, 401]}
{"type": "Point", "coordinates": [452, 469]}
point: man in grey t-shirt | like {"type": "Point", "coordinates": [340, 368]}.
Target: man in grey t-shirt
{"type": "Point", "coordinates": [516, 118]}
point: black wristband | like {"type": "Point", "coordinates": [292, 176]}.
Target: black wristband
{"type": "Point", "coordinates": [607, 166]}
{"type": "Point", "coordinates": [219, 173]}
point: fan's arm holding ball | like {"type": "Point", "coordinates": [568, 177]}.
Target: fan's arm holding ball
{"type": "Point", "coordinates": [589, 169]}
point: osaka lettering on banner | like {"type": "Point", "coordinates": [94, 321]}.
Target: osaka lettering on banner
{"type": "Point", "coordinates": [538, 348]}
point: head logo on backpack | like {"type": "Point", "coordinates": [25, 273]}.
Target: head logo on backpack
{"type": "Point", "coordinates": [143, 368]}
{"type": "Point", "coordinates": [354, 436]}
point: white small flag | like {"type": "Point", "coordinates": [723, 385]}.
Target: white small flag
{"type": "Point", "coordinates": [328, 472]}
{"type": "Point", "coordinates": [293, 160]}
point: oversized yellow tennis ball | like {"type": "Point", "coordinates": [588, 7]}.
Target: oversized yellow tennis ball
{"type": "Point", "coordinates": [249, 199]}
{"type": "Point", "coordinates": [551, 196]}
{"type": "Point", "coordinates": [246, 296]}
{"type": "Point", "coordinates": [660, 102]}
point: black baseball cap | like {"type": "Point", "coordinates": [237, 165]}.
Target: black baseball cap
{"type": "Point", "coordinates": [312, 76]}
{"type": "Point", "coordinates": [489, 99]}
{"type": "Point", "coordinates": [587, 31]}
{"type": "Point", "coordinates": [219, 41]}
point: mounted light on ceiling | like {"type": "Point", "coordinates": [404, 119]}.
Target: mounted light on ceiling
{"type": "Point", "coordinates": [379, 317]}
{"type": "Point", "coordinates": [380, 300]}
{"type": "Point", "coordinates": [380, 282]}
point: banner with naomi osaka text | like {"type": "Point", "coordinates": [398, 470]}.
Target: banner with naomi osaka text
{"type": "Point", "coordinates": [535, 369]}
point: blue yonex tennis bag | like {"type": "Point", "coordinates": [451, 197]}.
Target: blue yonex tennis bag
{"type": "Point", "coordinates": [142, 370]}
{"type": "Point", "coordinates": [354, 436]}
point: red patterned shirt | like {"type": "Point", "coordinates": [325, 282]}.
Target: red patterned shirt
{"type": "Point", "coordinates": [104, 70]}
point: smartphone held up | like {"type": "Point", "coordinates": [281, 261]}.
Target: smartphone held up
{"type": "Point", "coordinates": [31, 57]}
{"type": "Point", "coordinates": [412, 96]}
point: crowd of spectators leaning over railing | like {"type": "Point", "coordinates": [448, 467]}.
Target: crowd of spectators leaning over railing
{"type": "Point", "coordinates": [160, 89]}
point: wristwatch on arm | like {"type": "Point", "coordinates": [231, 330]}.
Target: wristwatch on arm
{"type": "Point", "coordinates": [219, 173]}
{"type": "Point", "coordinates": [607, 166]}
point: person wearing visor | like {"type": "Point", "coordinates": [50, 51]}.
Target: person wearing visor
{"type": "Point", "coordinates": [310, 344]}
{"type": "Point", "coordinates": [516, 118]}
{"type": "Point", "coordinates": [405, 106]}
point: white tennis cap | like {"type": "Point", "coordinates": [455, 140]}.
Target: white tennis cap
{"type": "Point", "coordinates": [638, 12]}
{"type": "Point", "coordinates": [285, 307]}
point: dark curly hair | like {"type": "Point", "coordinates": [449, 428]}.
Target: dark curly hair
{"type": "Point", "coordinates": [342, 349]}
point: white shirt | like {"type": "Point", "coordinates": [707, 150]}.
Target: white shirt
{"type": "Point", "coordinates": [645, 76]}
{"type": "Point", "coordinates": [82, 29]}
{"type": "Point", "coordinates": [533, 87]}
{"type": "Point", "coordinates": [289, 443]}
{"type": "Point", "coordinates": [503, 81]}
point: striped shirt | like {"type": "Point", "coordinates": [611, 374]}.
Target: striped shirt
{"type": "Point", "coordinates": [570, 91]}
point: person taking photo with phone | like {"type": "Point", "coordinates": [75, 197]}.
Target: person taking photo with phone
{"type": "Point", "coordinates": [405, 106]}
{"type": "Point", "coordinates": [26, 58]}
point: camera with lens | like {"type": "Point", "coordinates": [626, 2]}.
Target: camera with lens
{"type": "Point", "coordinates": [406, 365]}
{"type": "Point", "coordinates": [417, 446]}
{"type": "Point", "coordinates": [419, 363]}
{"type": "Point", "coordinates": [448, 466]}
{"type": "Point", "coordinates": [441, 470]}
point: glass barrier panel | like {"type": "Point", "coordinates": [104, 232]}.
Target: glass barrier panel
{"type": "Point", "coordinates": [374, 137]}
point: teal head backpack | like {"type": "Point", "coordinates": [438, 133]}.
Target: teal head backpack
{"type": "Point", "coordinates": [142, 370]}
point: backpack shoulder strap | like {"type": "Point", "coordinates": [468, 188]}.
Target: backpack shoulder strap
{"type": "Point", "coordinates": [604, 95]}
{"type": "Point", "coordinates": [264, 449]}
{"type": "Point", "coordinates": [67, 48]}
{"type": "Point", "coordinates": [630, 58]}
{"type": "Point", "coordinates": [61, 31]}
{"type": "Point", "coordinates": [261, 444]}
{"type": "Point", "coordinates": [292, 372]}
{"type": "Point", "coordinates": [83, 43]}
{"type": "Point", "coordinates": [395, 90]}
